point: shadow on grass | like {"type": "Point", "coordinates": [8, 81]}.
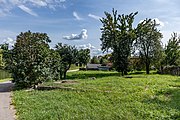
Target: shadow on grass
{"type": "Point", "coordinates": [94, 74]}
{"type": "Point", "coordinates": [171, 101]}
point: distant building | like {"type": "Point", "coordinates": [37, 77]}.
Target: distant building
{"type": "Point", "coordinates": [92, 66]}
{"type": "Point", "coordinates": [97, 67]}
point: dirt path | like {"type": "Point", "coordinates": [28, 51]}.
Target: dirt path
{"type": "Point", "coordinates": [73, 70]}
{"type": "Point", "coordinates": [6, 110]}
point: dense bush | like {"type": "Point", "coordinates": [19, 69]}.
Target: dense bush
{"type": "Point", "coordinates": [29, 59]}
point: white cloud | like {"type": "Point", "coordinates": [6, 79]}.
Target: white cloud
{"type": "Point", "coordinates": [38, 3]}
{"type": "Point", "coordinates": [96, 52]}
{"type": "Point", "coordinates": [82, 35]}
{"type": "Point", "coordinates": [94, 16]}
{"type": "Point", "coordinates": [158, 22]}
{"type": "Point", "coordinates": [76, 16]}
{"type": "Point", "coordinates": [9, 41]}
{"type": "Point", "coordinates": [27, 10]}
{"type": "Point", "coordinates": [26, 5]}
{"type": "Point", "coordinates": [86, 46]}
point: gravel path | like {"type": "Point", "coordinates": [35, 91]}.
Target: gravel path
{"type": "Point", "coordinates": [73, 70]}
{"type": "Point", "coordinates": [6, 109]}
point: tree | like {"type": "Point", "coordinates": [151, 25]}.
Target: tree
{"type": "Point", "coordinates": [55, 64]}
{"type": "Point", "coordinates": [83, 56]}
{"type": "Point", "coordinates": [95, 60]}
{"type": "Point", "coordinates": [172, 50]}
{"type": "Point", "coordinates": [148, 41]}
{"type": "Point", "coordinates": [118, 34]}
{"type": "Point", "coordinates": [68, 55]}
{"type": "Point", "coordinates": [29, 64]}
{"type": "Point", "coordinates": [4, 53]}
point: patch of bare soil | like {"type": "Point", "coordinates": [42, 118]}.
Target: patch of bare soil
{"type": "Point", "coordinates": [67, 82]}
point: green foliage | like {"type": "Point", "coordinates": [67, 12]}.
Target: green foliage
{"type": "Point", "coordinates": [118, 34]}
{"type": "Point", "coordinates": [136, 63]}
{"type": "Point", "coordinates": [4, 74]}
{"type": "Point", "coordinates": [109, 97]}
{"type": "Point", "coordinates": [95, 60]}
{"type": "Point", "coordinates": [3, 54]}
{"type": "Point", "coordinates": [172, 51]}
{"type": "Point", "coordinates": [148, 42]}
{"type": "Point", "coordinates": [1, 58]}
{"type": "Point", "coordinates": [55, 64]}
{"type": "Point", "coordinates": [83, 56]}
{"type": "Point", "coordinates": [68, 56]}
{"type": "Point", "coordinates": [103, 61]}
{"type": "Point", "coordinates": [28, 61]}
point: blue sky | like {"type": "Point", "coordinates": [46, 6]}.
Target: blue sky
{"type": "Point", "coordinates": [76, 22]}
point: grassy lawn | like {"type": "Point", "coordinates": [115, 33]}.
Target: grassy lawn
{"type": "Point", "coordinates": [107, 97]}
{"type": "Point", "coordinates": [74, 67]}
{"type": "Point", "coordinates": [4, 80]}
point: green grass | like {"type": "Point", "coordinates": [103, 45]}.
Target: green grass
{"type": "Point", "coordinates": [73, 67]}
{"type": "Point", "coordinates": [6, 79]}
{"type": "Point", "coordinates": [108, 97]}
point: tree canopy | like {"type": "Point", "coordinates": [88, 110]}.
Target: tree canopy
{"type": "Point", "coordinates": [148, 41]}
{"type": "Point", "coordinates": [29, 59]}
{"type": "Point", "coordinates": [118, 34]}
{"type": "Point", "coordinates": [172, 50]}
{"type": "Point", "coordinates": [68, 56]}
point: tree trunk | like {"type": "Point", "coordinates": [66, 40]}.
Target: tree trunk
{"type": "Point", "coordinates": [125, 72]}
{"type": "Point", "coordinates": [147, 67]}
{"type": "Point", "coordinates": [122, 73]}
{"type": "Point", "coordinates": [65, 74]}
{"type": "Point", "coordinates": [61, 75]}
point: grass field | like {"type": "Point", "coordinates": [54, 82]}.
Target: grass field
{"type": "Point", "coordinates": [4, 80]}
{"type": "Point", "coordinates": [100, 95]}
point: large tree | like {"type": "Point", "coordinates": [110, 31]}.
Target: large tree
{"type": "Point", "coordinates": [148, 41]}
{"type": "Point", "coordinates": [172, 50]}
{"type": "Point", "coordinates": [29, 59]}
{"type": "Point", "coordinates": [118, 34]}
{"type": "Point", "coordinates": [68, 55]}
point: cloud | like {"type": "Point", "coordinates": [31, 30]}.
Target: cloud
{"type": "Point", "coordinates": [9, 41]}
{"type": "Point", "coordinates": [82, 35]}
{"type": "Point", "coordinates": [86, 46]}
{"type": "Point", "coordinates": [96, 52]}
{"type": "Point", "coordinates": [158, 22]}
{"type": "Point", "coordinates": [39, 3]}
{"type": "Point", "coordinates": [6, 6]}
{"type": "Point", "coordinates": [94, 16]}
{"type": "Point", "coordinates": [27, 10]}
{"type": "Point", "coordinates": [76, 16]}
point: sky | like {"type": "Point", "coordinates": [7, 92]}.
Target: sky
{"type": "Point", "coordinates": [76, 22]}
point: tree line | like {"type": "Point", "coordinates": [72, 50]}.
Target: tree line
{"type": "Point", "coordinates": [119, 34]}
{"type": "Point", "coordinates": [32, 61]}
